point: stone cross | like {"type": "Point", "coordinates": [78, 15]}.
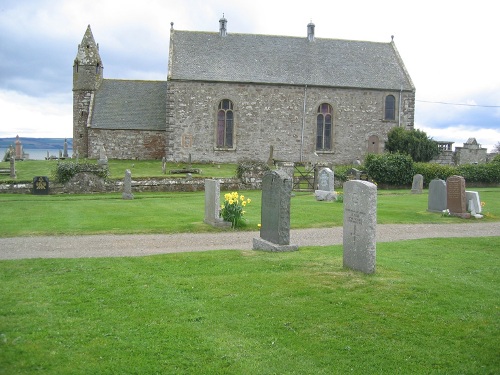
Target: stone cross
{"type": "Point", "coordinates": [360, 224]}
{"type": "Point", "coordinates": [127, 185]}
{"type": "Point", "coordinates": [436, 201]}
{"type": "Point", "coordinates": [212, 204]}
{"type": "Point", "coordinates": [275, 213]}
{"type": "Point", "coordinates": [455, 196]}
{"type": "Point", "coordinates": [418, 184]}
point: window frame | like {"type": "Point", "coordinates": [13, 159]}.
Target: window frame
{"type": "Point", "coordinates": [387, 108]}
{"type": "Point", "coordinates": [225, 125]}
{"type": "Point", "coordinates": [325, 127]}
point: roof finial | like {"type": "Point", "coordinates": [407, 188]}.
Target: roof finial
{"type": "Point", "coordinates": [392, 38]}
{"type": "Point", "coordinates": [310, 31]}
{"type": "Point", "coordinates": [222, 26]}
{"type": "Point", "coordinates": [171, 25]}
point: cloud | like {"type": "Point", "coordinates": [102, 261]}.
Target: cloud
{"type": "Point", "coordinates": [28, 116]}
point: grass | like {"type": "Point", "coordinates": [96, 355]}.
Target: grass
{"type": "Point", "coordinates": [24, 215]}
{"type": "Point", "coordinates": [431, 308]}
{"type": "Point", "coordinates": [28, 169]}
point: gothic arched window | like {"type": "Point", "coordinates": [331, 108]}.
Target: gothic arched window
{"type": "Point", "coordinates": [225, 124]}
{"type": "Point", "coordinates": [324, 127]}
{"type": "Point", "coordinates": [390, 107]}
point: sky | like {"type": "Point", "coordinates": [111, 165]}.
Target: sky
{"type": "Point", "coordinates": [449, 48]}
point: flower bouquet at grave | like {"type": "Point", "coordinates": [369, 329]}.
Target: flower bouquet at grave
{"type": "Point", "coordinates": [232, 209]}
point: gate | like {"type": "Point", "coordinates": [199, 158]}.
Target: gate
{"type": "Point", "coordinates": [303, 177]}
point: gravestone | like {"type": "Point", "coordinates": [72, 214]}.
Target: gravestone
{"type": "Point", "coordinates": [436, 201]}
{"type": "Point", "coordinates": [40, 185]}
{"type": "Point", "coordinates": [360, 223]}
{"type": "Point", "coordinates": [103, 159]}
{"type": "Point", "coordinates": [164, 165]}
{"type": "Point", "coordinates": [326, 179]}
{"type": "Point", "coordinates": [275, 213]}
{"type": "Point", "coordinates": [127, 185]}
{"type": "Point", "coordinates": [418, 184]}
{"type": "Point", "coordinates": [65, 148]}
{"type": "Point", "coordinates": [12, 173]}
{"type": "Point", "coordinates": [455, 196]}
{"type": "Point", "coordinates": [473, 202]}
{"type": "Point", "coordinates": [212, 204]}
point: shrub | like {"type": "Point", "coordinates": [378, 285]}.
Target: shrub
{"type": "Point", "coordinates": [431, 171]}
{"type": "Point", "coordinates": [392, 169]}
{"type": "Point", "coordinates": [412, 142]}
{"type": "Point", "coordinates": [65, 171]}
{"type": "Point", "coordinates": [341, 171]}
{"type": "Point", "coordinates": [486, 173]}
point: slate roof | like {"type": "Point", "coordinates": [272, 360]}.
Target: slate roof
{"type": "Point", "coordinates": [286, 60]}
{"type": "Point", "coordinates": [131, 105]}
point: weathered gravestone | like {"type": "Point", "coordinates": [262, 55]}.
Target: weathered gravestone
{"type": "Point", "coordinates": [65, 148]}
{"type": "Point", "coordinates": [212, 204]}
{"type": "Point", "coordinates": [436, 201]}
{"type": "Point", "coordinates": [418, 184]}
{"type": "Point", "coordinates": [455, 196]}
{"type": "Point", "coordinates": [360, 224]}
{"type": "Point", "coordinates": [127, 185]}
{"type": "Point", "coordinates": [275, 213]}
{"type": "Point", "coordinates": [326, 180]}
{"type": "Point", "coordinates": [103, 159]}
{"type": "Point", "coordinates": [473, 202]}
{"type": "Point", "coordinates": [12, 167]}
{"type": "Point", "coordinates": [41, 185]}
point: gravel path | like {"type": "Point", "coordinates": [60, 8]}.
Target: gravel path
{"type": "Point", "coordinates": [148, 244]}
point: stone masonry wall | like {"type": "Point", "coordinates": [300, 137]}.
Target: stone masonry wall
{"type": "Point", "coordinates": [127, 144]}
{"type": "Point", "coordinates": [272, 115]}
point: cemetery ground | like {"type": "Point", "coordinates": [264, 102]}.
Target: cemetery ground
{"type": "Point", "coordinates": [431, 306]}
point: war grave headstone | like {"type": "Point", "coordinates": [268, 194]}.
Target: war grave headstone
{"type": "Point", "coordinates": [360, 224]}
{"type": "Point", "coordinates": [418, 184]}
{"type": "Point", "coordinates": [455, 197]}
{"type": "Point", "coordinates": [127, 185]}
{"type": "Point", "coordinates": [473, 202]}
{"type": "Point", "coordinates": [40, 185]}
{"type": "Point", "coordinates": [436, 201]}
{"type": "Point", "coordinates": [326, 180]}
{"type": "Point", "coordinates": [275, 213]}
{"type": "Point", "coordinates": [212, 204]}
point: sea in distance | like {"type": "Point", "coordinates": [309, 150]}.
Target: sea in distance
{"type": "Point", "coordinates": [38, 154]}
{"type": "Point", "coordinates": [37, 148]}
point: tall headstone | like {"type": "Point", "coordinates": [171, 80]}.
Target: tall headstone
{"type": "Point", "coordinates": [127, 185]}
{"type": "Point", "coordinates": [418, 184]}
{"type": "Point", "coordinates": [436, 201]}
{"type": "Point", "coordinates": [360, 224]}
{"type": "Point", "coordinates": [326, 180]}
{"type": "Point", "coordinates": [212, 204]}
{"type": "Point", "coordinates": [19, 148]}
{"type": "Point", "coordinates": [275, 213]}
{"type": "Point", "coordinates": [473, 201]}
{"type": "Point", "coordinates": [455, 196]}
{"type": "Point", "coordinates": [164, 165]}
{"type": "Point", "coordinates": [65, 148]}
{"type": "Point", "coordinates": [12, 167]}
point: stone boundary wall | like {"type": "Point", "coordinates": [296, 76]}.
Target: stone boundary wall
{"type": "Point", "coordinates": [138, 186]}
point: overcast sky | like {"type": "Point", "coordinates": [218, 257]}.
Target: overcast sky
{"type": "Point", "coordinates": [449, 48]}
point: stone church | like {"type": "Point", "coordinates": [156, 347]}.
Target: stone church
{"type": "Point", "coordinates": [229, 97]}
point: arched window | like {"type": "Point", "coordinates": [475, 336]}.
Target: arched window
{"type": "Point", "coordinates": [390, 107]}
{"type": "Point", "coordinates": [324, 127]}
{"type": "Point", "coordinates": [225, 124]}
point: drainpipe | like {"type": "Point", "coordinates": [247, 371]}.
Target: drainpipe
{"type": "Point", "coordinates": [303, 124]}
{"type": "Point", "coordinates": [399, 111]}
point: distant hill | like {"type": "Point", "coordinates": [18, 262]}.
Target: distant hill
{"type": "Point", "coordinates": [37, 143]}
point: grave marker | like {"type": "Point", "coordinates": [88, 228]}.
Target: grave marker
{"type": "Point", "coordinates": [436, 201]}
{"type": "Point", "coordinates": [212, 204]}
{"type": "Point", "coordinates": [474, 203]}
{"type": "Point", "coordinates": [275, 213]}
{"type": "Point", "coordinates": [326, 180]}
{"type": "Point", "coordinates": [360, 223]}
{"type": "Point", "coordinates": [127, 185]}
{"type": "Point", "coordinates": [40, 185]}
{"type": "Point", "coordinates": [418, 184]}
{"type": "Point", "coordinates": [455, 196]}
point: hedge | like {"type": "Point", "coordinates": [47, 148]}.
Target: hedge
{"type": "Point", "coordinates": [65, 171]}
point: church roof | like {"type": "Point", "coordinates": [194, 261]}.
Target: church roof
{"type": "Point", "coordinates": [131, 105]}
{"type": "Point", "coordinates": [272, 59]}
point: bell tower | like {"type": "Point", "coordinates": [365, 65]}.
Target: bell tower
{"type": "Point", "coordinates": [87, 77]}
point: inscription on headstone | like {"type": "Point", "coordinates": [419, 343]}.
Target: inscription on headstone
{"type": "Point", "coordinates": [212, 204]}
{"type": "Point", "coordinates": [275, 213]}
{"type": "Point", "coordinates": [360, 223]}
{"type": "Point", "coordinates": [41, 185]}
{"type": "Point", "coordinates": [455, 196]}
{"type": "Point", "coordinates": [436, 201]}
{"type": "Point", "coordinates": [418, 184]}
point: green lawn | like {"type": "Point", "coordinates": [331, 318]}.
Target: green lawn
{"type": "Point", "coordinates": [28, 169]}
{"type": "Point", "coordinates": [24, 215]}
{"type": "Point", "coordinates": [431, 308]}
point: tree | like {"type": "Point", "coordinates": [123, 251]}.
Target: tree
{"type": "Point", "coordinates": [496, 148]}
{"type": "Point", "coordinates": [412, 142]}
